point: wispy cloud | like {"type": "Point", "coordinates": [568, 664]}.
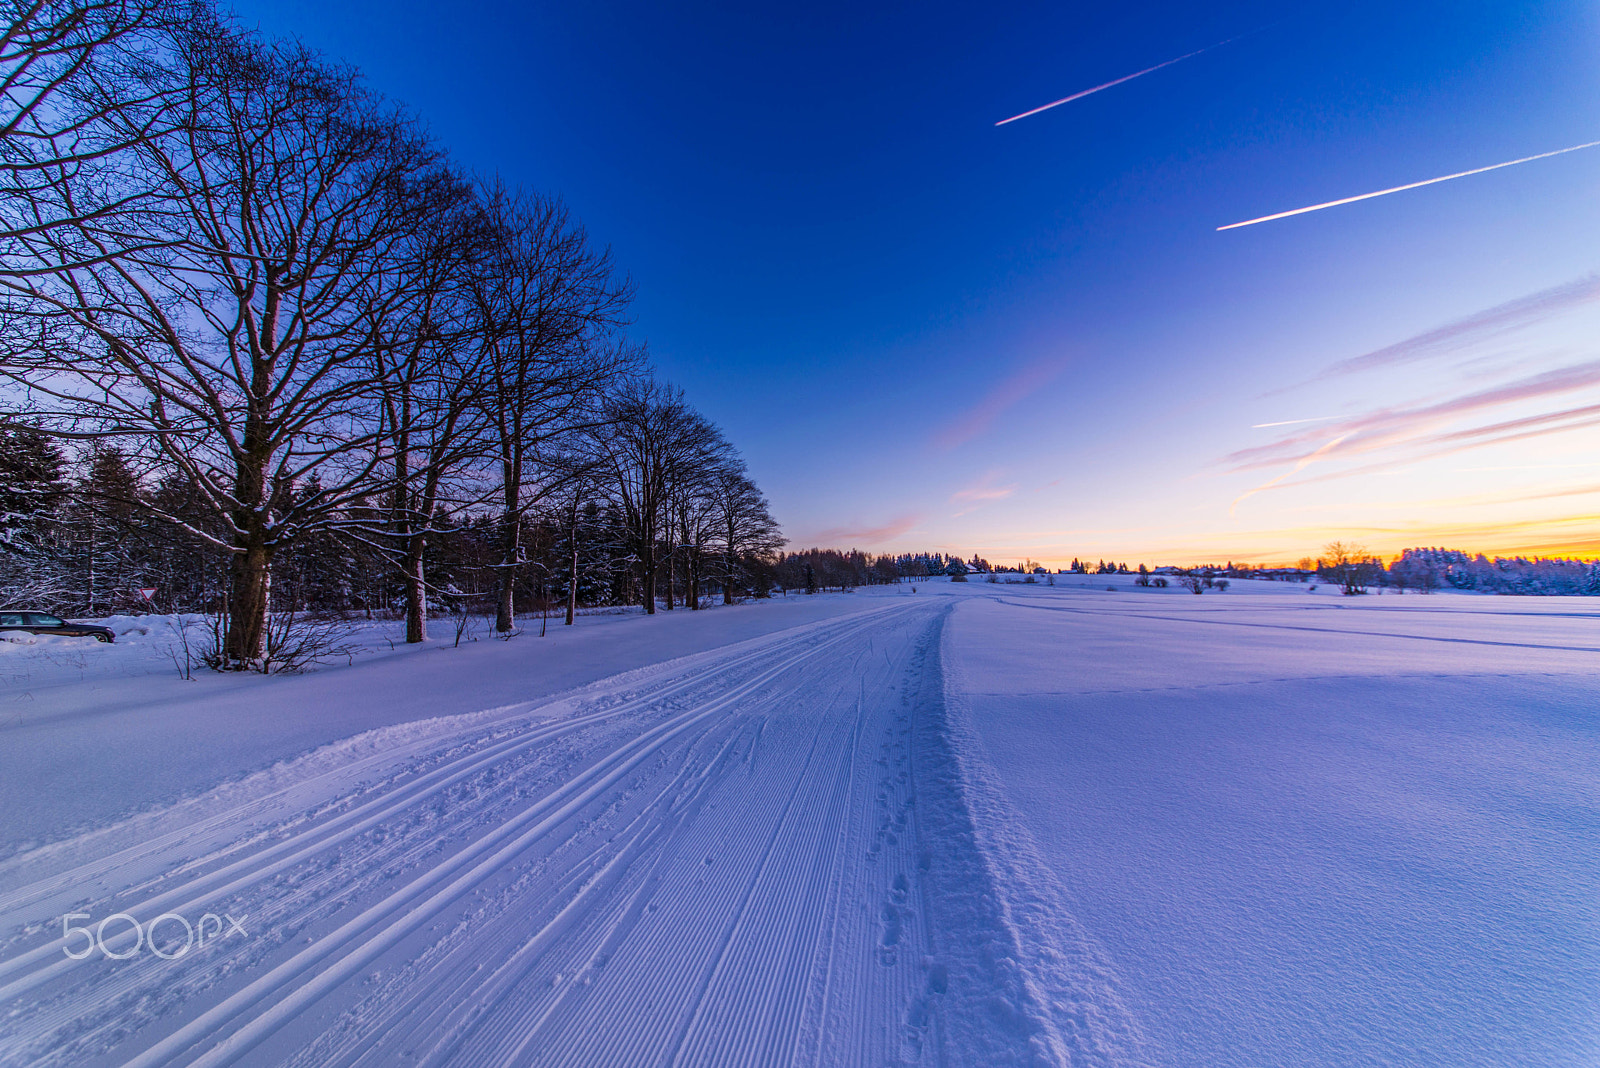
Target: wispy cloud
{"type": "Point", "coordinates": [1484, 325]}
{"type": "Point", "coordinates": [977, 419]}
{"type": "Point", "coordinates": [1389, 427]}
{"type": "Point", "coordinates": [1571, 534]}
{"type": "Point", "coordinates": [1438, 446]}
{"type": "Point", "coordinates": [1526, 467]}
{"type": "Point", "coordinates": [1300, 465]}
{"type": "Point", "coordinates": [1496, 499]}
{"type": "Point", "coordinates": [981, 492]}
{"type": "Point", "coordinates": [1403, 188]}
{"type": "Point", "coordinates": [1519, 429]}
{"type": "Point", "coordinates": [1398, 437]}
{"type": "Point", "coordinates": [866, 535]}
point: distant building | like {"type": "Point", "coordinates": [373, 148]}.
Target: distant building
{"type": "Point", "coordinates": [1284, 574]}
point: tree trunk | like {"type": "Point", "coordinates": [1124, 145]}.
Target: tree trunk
{"type": "Point", "coordinates": [250, 598]}
{"type": "Point", "coordinates": [672, 573]}
{"type": "Point", "coordinates": [248, 603]}
{"type": "Point", "coordinates": [416, 591]}
{"type": "Point", "coordinates": [91, 571]}
{"type": "Point", "coordinates": [648, 596]}
{"type": "Point", "coordinates": [504, 618]}
{"type": "Point", "coordinates": [572, 580]}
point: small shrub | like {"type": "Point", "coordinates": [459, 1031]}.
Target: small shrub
{"type": "Point", "coordinates": [185, 650]}
{"type": "Point", "coordinates": [294, 642]}
{"type": "Point", "coordinates": [464, 623]}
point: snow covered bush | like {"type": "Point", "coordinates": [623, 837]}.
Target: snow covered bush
{"type": "Point", "coordinates": [1432, 568]}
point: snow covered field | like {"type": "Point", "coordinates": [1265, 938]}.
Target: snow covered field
{"type": "Point", "coordinates": [977, 824]}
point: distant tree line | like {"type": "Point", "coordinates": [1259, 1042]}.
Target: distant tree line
{"type": "Point", "coordinates": [1355, 570]}
{"type": "Point", "coordinates": [1349, 566]}
{"type": "Point", "coordinates": [264, 347]}
{"type": "Point", "coordinates": [1103, 567]}
{"type": "Point", "coordinates": [1429, 569]}
{"type": "Point", "coordinates": [815, 570]}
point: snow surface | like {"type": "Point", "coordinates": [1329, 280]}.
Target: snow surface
{"type": "Point", "coordinates": [1243, 829]}
{"type": "Point", "coordinates": [93, 731]}
{"type": "Point", "coordinates": [981, 823]}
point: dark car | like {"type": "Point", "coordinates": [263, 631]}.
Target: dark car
{"type": "Point", "coordinates": [45, 623]}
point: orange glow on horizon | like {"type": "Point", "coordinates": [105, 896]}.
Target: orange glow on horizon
{"type": "Point", "coordinates": [1550, 537]}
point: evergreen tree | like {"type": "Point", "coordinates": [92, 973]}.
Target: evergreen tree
{"type": "Point", "coordinates": [101, 538]}
{"type": "Point", "coordinates": [32, 489]}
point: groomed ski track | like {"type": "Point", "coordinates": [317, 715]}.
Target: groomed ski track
{"type": "Point", "coordinates": [754, 856]}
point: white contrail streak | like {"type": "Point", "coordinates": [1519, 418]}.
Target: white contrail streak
{"type": "Point", "coordinates": [1403, 188]}
{"type": "Point", "coordinates": [1108, 85]}
{"type": "Point", "coordinates": [1292, 422]}
{"type": "Point", "coordinates": [1303, 463]}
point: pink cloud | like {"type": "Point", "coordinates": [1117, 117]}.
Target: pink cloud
{"type": "Point", "coordinates": [1412, 434]}
{"type": "Point", "coordinates": [977, 419]}
{"type": "Point", "coordinates": [1389, 427]}
{"type": "Point", "coordinates": [981, 492]}
{"type": "Point", "coordinates": [1492, 322]}
{"type": "Point", "coordinates": [856, 535]}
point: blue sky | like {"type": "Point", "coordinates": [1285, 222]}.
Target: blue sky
{"type": "Point", "coordinates": [924, 330]}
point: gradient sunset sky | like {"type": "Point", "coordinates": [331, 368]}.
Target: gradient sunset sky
{"type": "Point", "coordinates": [928, 331]}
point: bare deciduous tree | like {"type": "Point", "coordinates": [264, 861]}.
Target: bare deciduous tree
{"type": "Point", "coordinates": [1348, 563]}
{"type": "Point", "coordinates": [548, 302]}
{"type": "Point", "coordinates": [650, 441]}
{"type": "Point", "coordinates": [68, 67]}
{"type": "Point", "coordinates": [230, 328]}
{"type": "Point", "coordinates": [283, 318]}
{"type": "Point", "coordinates": [692, 515]}
{"type": "Point", "coordinates": [745, 524]}
{"type": "Point", "coordinates": [432, 382]}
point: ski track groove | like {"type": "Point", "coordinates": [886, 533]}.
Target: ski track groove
{"type": "Point", "coordinates": [714, 866]}
{"type": "Point", "coordinates": [27, 894]}
{"type": "Point", "coordinates": [169, 901]}
{"type": "Point", "coordinates": [366, 815]}
{"type": "Point", "coordinates": [399, 913]}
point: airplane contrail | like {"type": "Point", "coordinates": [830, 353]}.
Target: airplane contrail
{"type": "Point", "coordinates": [1303, 463]}
{"type": "Point", "coordinates": [1292, 422]}
{"type": "Point", "coordinates": [1125, 78]}
{"type": "Point", "coordinates": [1403, 188]}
